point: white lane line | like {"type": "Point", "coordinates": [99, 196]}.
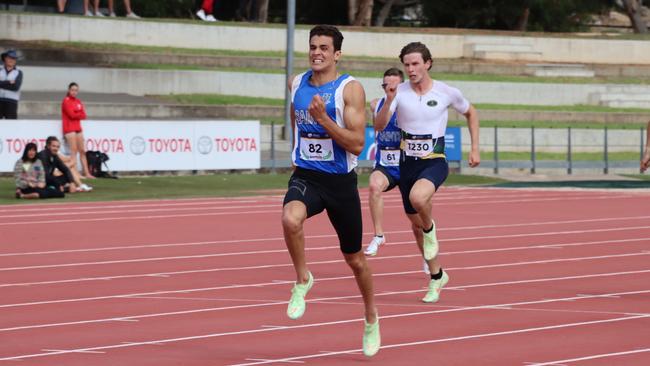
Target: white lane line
{"type": "Point", "coordinates": [279, 238]}
{"type": "Point", "coordinates": [591, 357]}
{"type": "Point", "coordinates": [298, 358]}
{"type": "Point", "coordinates": [267, 360]}
{"type": "Point", "coordinates": [70, 351]}
{"type": "Point", "coordinates": [209, 270]}
{"type": "Point", "coordinates": [451, 339]}
{"type": "Point", "coordinates": [156, 217]}
{"type": "Point", "coordinates": [313, 263]}
{"type": "Point", "coordinates": [204, 256]}
{"type": "Point", "coordinates": [283, 302]}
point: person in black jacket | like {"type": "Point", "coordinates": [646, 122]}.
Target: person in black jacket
{"type": "Point", "coordinates": [10, 81]}
{"type": "Point", "coordinates": [52, 164]}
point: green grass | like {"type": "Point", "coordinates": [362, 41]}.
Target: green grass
{"type": "Point", "coordinates": [560, 108]}
{"type": "Point", "coordinates": [217, 185]}
{"type": "Point", "coordinates": [576, 156]}
{"type": "Point", "coordinates": [378, 74]}
{"type": "Point", "coordinates": [553, 124]}
{"type": "Point", "coordinates": [218, 99]}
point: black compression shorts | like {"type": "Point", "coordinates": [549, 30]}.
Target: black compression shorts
{"type": "Point", "coordinates": [336, 193]}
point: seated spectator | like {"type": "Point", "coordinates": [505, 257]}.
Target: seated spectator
{"type": "Point", "coordinates": [30, 177]}
{"type": "Point", "coordinates": [57, 174]}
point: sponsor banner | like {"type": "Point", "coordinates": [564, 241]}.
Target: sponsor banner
{"type": "Point", "coordinates": [452, 145]}
{"type": "Point", "coordinates": [147, 145]}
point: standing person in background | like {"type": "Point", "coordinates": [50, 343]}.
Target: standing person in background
{"type": "Point", "coordinates": [645, 160]}
{"type": "Point", "coordinates": [206, 10]}
{"type": "Point", "coordinates": [385, 175]}
{"type": "Point", "coordinates": [10, 81]}
{"type": "Point", "coordinates": [72, 112]}
{"type": "Point", "coordinates": [127, 7]}
{"type": "Point", "coordinates": [422, 113]}
{"type": "Point", "coordinates": [30, 176]}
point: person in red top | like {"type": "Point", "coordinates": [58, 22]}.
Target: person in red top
{"type": "Point", "coordinates": [73, 111]}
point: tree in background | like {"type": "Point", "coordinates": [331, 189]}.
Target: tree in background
{"type": "Point", "coordinates": [633, 10]}
{"type": "Point", "coordinates": [523, 15]}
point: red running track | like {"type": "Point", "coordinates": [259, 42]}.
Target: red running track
{"type": "Point", "coordinates": [538, 277]}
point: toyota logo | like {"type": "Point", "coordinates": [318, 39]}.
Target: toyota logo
{"type": "Point", "coordinates": [205, 145]}
{"type": "Point", "coordinates": [137, 145]}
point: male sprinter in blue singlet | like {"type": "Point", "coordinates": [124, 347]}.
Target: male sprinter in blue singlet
{"type": "Point", "coordinates": [328, 115]}
{"type": "Point", "coordinates": [421, 106]}
{"type": "Point", "coordinates": [385, 175]}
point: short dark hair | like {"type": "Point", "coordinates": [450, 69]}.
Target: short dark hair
{"type": "Point", "coordinates": [329, 31]}
{"type": "Point", "coordinates": [394, 71]}
{"type": "Point", "coordinates": [29, 146]}
{"type": "Point", "coordinates": [50, 139]}
{"type": "Point", "coordinates": [72, 84]}
{"type": "Point", "coordinates": [416, 47]}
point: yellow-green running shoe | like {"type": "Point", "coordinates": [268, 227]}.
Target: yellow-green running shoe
{"type": "Point", "coordinates": [430, 245]}
{"type": "Point", "coordinates": [296, 306]}
{"type": "Point", "coordinates": [371, 338]}
{"type": "Point", "coordinates": [435, 286]}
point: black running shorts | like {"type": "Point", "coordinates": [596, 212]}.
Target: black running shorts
{"type": "Point", "coordinates": [336, 193]}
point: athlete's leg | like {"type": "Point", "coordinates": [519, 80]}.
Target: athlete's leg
{"type": "Point", "coordinates": [294, 215]}
{"type": "Point", "coordinates": [378, 184]}
{"type": "Point", "coordinates": [420, 197]}
{"type": "Point", "coordinates": [81, 148]}
{"type": "Point", "coordinates": [71, 140]}
{"type": "Point", "coordinates": [363, 275]}
{"type": "Point", "coordinates": [417, 227]}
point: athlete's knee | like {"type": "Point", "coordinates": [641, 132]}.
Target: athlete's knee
{"type": "Point", "coordinates": [418, 201]}
{"type": "Point", "coordinates": [292, 220]}
{"type": "Point", "coordinates": [356, 262]}
{"type": "Point", "coordinates": [376, 188]}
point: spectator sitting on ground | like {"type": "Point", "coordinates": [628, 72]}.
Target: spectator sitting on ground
{"type": "Point", "coordinates": [67, 160]}
{"type": "Point", "coordinates": [10, 81]}
{"type": "Point", "coordinates": [205, 12]}
{"type": "Point", "coordinates": [30, 177]}
{"type": "Point", "coordinates": [57, 174]}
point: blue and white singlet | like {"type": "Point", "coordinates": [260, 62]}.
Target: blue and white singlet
{"type": "Point", "coordinates": [314, 149]}
{"type": "Point", "coordinates": [388, 144]}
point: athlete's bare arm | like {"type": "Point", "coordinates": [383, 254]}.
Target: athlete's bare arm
{"type": "Point", "coordinates": [350, 138]}
{"type": "Point", "coordinates": [472, 123]}
{"type": "Point", "coordinates": [383, 116]}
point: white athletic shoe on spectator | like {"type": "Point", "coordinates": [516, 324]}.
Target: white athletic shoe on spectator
{"type": "Point", "coordinates": [211, 18]}
{"type": "Point", "coordinates": [84, 188]}
{"type": "Point", "coordinates": [112, 15]}
{"type": "Point", "coordinates": [374, 245]}
{"type": "Point", "coordinates": [88, 13]}
{"type": "Point", "coordinates": [133, 15]}
{"type": "Point", "coordinates": [426, 268]}
{"type": "Point", "coordinates": [201, 15]}
{"type": "Point", "coordinates": [99, 14]}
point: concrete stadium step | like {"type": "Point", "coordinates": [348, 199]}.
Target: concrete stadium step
{"type": "Point", "coordinates": [561, 70]}
{"type": "Point", "coordinates": [506, 51]}
{"type": "Point", "coordinates": [621, 97]}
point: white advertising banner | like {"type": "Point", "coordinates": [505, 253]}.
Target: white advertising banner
{"type": "Point", "coordinates": [147, 145]}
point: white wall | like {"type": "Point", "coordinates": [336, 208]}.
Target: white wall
{"type": "Point", "coordinates": [27, 27]}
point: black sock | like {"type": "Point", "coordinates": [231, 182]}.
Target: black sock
{"type": "Point", "coordinates": [426, 231]}
{"type": "Point", "coordinates": [380, 236]}
{"type": "Point", "coordinates": [437, 276]}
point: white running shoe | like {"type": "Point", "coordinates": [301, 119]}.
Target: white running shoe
{"type": "Point", "coordinates": [88, 13]}
{"type": "Point", "coordinates": [210, 18]}
{"type": "Point", "coordinates": [133, 15]}
{"type": "Point", "coordinates": [85, 188]}
{"type": "Point", "coordinates": [426, 268]}
{"type": "Point", "coordinates": [112, 15]}
{"type": "Point", "coordinates": [374, 245]}
{"type": "Point", "coordinates": [201, 15]}
{"type": "Point", "coordinates": [99, 14]}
